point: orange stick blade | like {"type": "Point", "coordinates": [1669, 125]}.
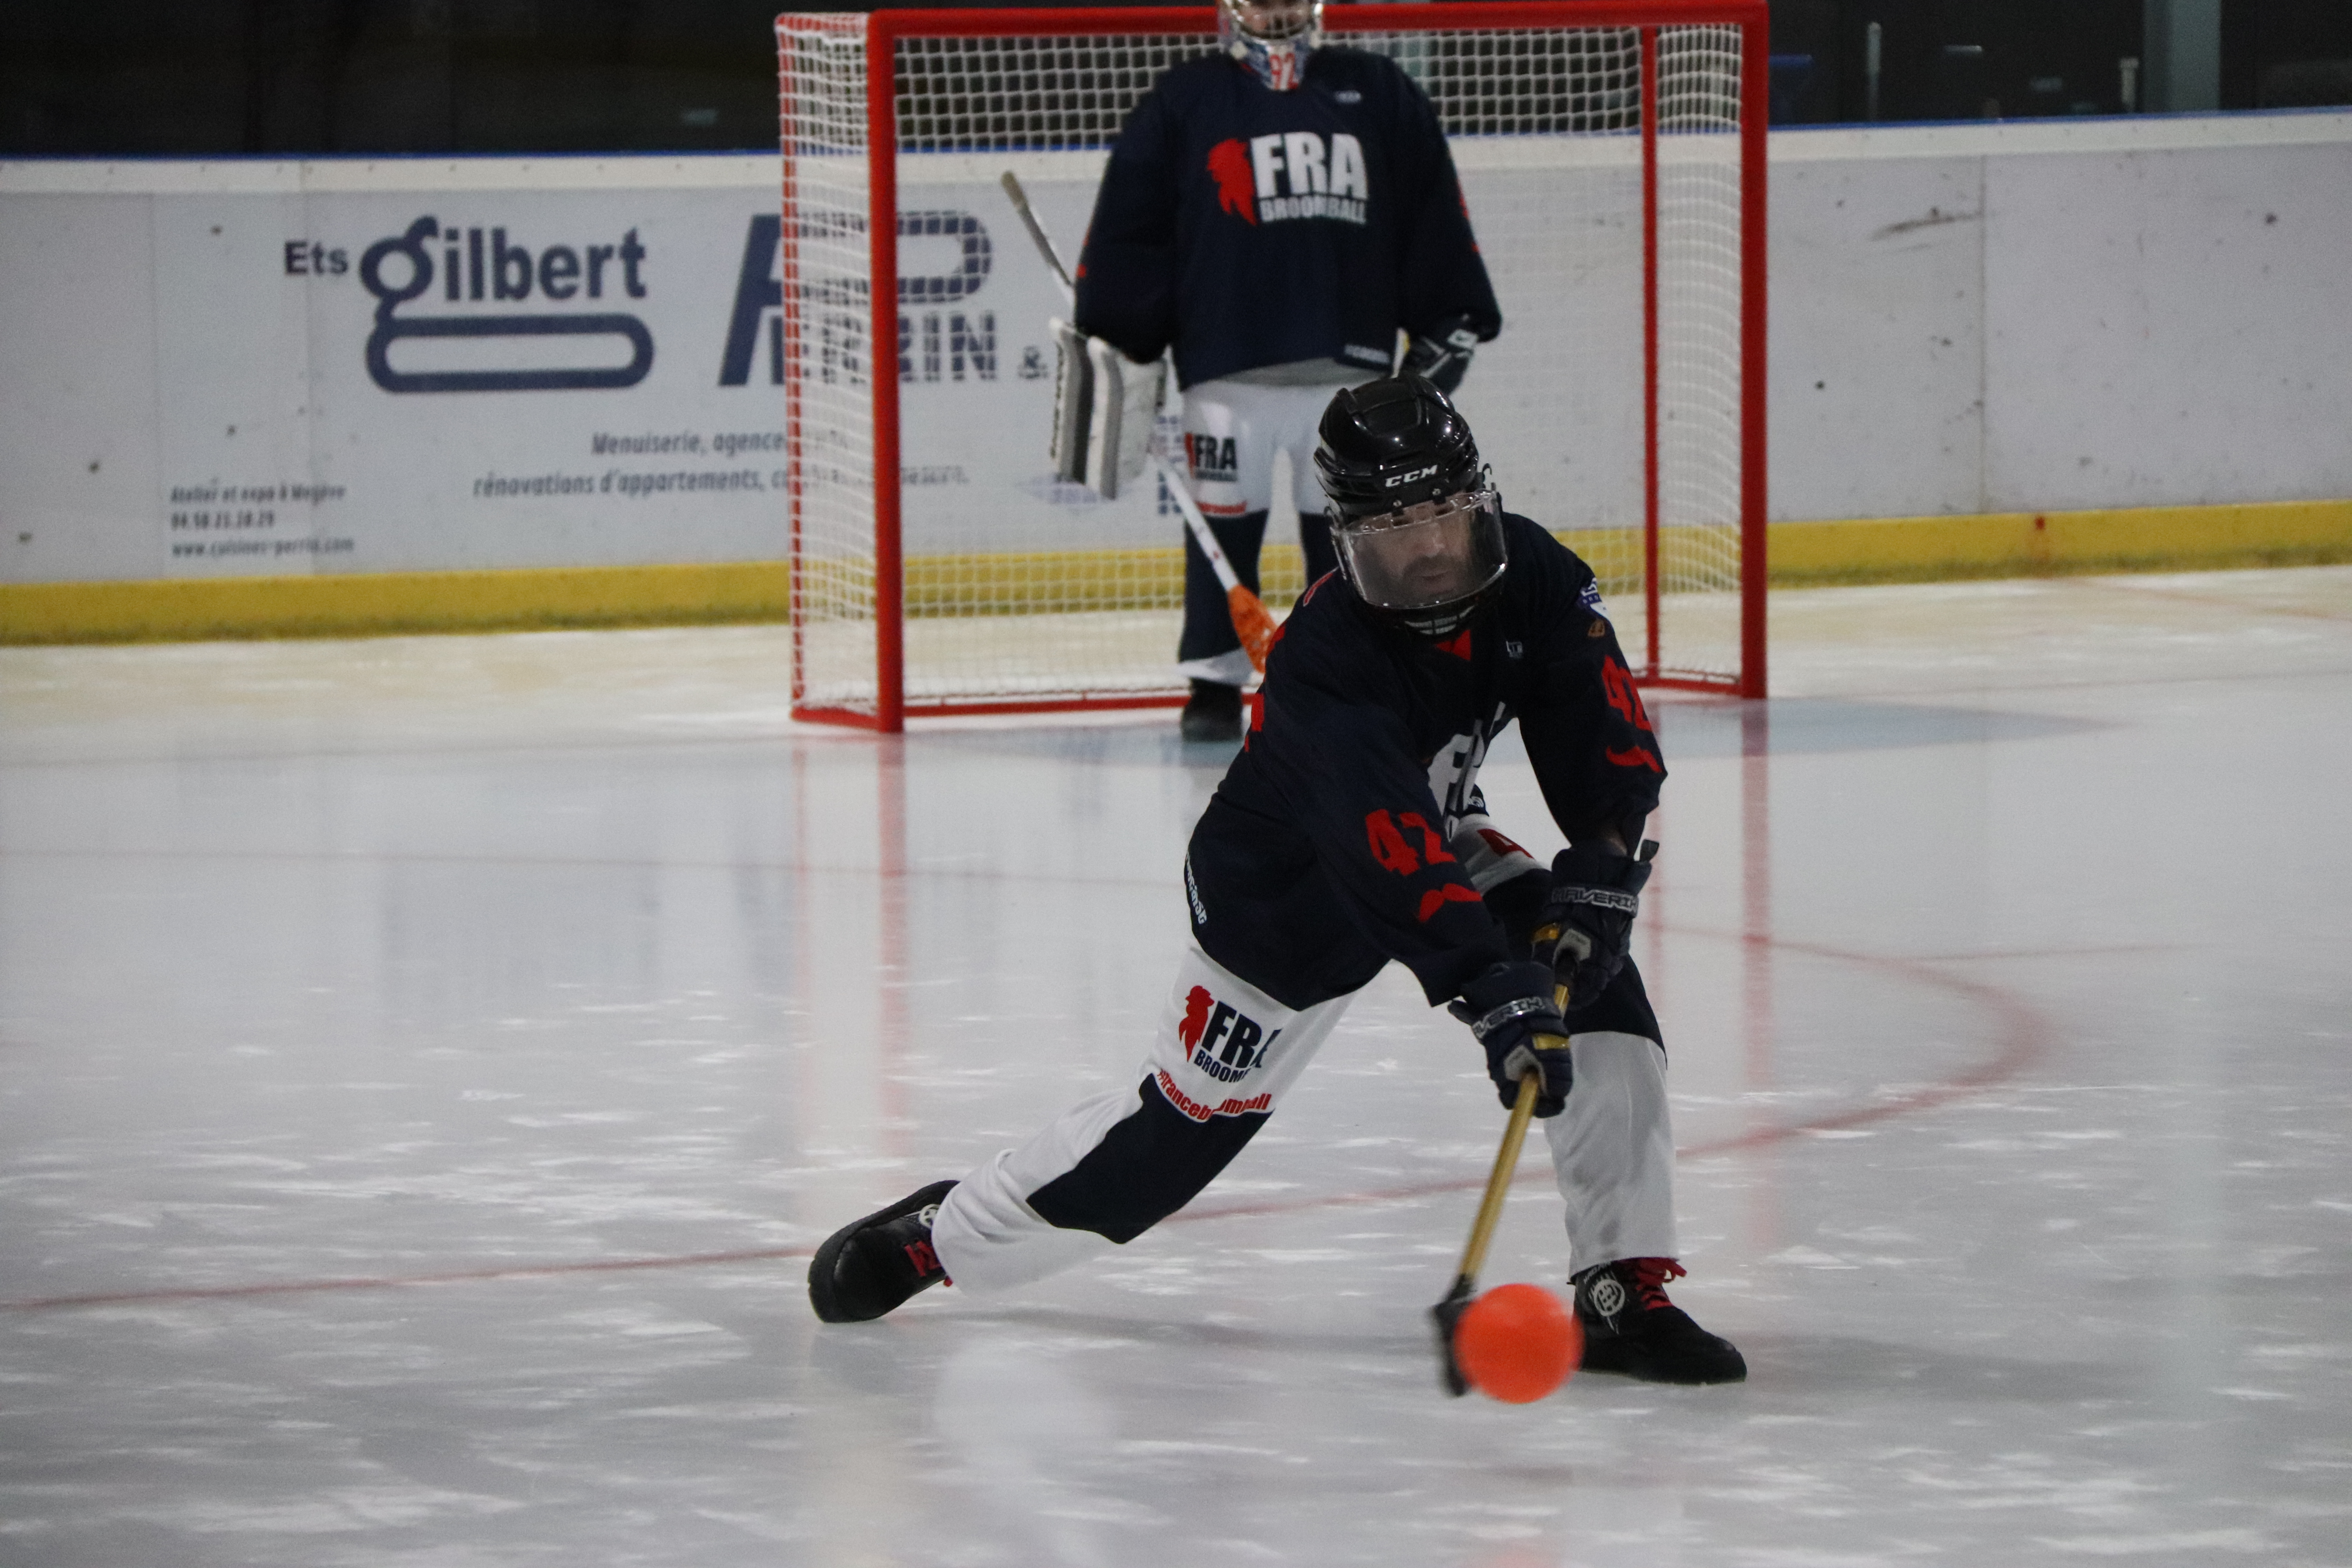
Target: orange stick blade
{"type": "Point", "coordinates": [1252, 623]}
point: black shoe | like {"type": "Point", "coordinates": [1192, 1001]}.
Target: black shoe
{"type": "Point", "coordinates": [1213, 713]}
{"type": "Point", "coordinates": [1630, 1327]}
{"type": "Point", "coordinates": [866, 1269]}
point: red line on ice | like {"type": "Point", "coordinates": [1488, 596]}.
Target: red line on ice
{"type": "Point", "coordinates": [388, 1281]}
{"type": "Point", "coordinates": [2024, 1035]}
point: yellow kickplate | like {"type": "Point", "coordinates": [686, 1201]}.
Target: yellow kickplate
{"type": "Point", "coordinates": [1880, 549]}
{"type": "Point", "coordinates": [2026, 544]}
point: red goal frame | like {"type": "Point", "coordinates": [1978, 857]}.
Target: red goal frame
{"type": "Point", "coordinates": [885, 28]}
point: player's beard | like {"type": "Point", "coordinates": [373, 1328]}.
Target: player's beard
{"type": "Point", "coordinates": [1419, 564]}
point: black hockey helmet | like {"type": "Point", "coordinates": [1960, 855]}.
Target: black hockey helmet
{"type": "Point", "coordinates": [1414, 516]}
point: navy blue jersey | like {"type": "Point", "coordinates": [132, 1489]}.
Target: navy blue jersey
{"type": "Point", "coordinates": [1250, 227]}
{"type": "Point", "coordinates": [1324, 853]}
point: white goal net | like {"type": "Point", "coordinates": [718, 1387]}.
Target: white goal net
{"type": "Point", "coordinates": [1606, 157]}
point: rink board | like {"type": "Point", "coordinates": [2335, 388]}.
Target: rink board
{"type": "Point", "coordinates": [231, 377]}
{"type": "Point", "coordinates": [1888, 550]}
{"type": "Point", "coordinates": [183, 407]}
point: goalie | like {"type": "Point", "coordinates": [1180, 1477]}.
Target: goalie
{"type": "Point", "coordinates": [1274, 213]}
{"type": "Point", "coordinates": [1349, 833]}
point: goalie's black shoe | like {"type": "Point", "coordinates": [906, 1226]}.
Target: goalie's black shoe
{"type": "Point", "coordinates": [1213, 713]}
{"type": "Point", "coordinates": [1630, 1327]}
{"type": "Point", "coordinates": [872, 1266]}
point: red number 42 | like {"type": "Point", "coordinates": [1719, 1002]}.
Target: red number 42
{"type": "Point", "coordinates": [1388, 844]}
{"type": "Point", "coordinates": [1617, 683]}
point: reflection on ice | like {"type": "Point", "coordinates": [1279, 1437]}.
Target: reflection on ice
{"type": "Point", "coordinates": [552, 995]}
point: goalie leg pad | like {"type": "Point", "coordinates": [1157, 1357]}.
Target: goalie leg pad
{"type": "Point", "coordinates": [1124, 413]}
{"type": "Point", "coordinates": [1074, 394]}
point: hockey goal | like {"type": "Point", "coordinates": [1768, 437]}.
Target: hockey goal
{"type": "Point", "coordinates": [1613, 159]}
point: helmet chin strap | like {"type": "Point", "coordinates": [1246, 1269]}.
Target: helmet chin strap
{"type": "Point", "coordinates": [1441, 623]}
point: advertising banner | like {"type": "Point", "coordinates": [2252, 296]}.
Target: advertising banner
{"type": "Point", "coordinates": [491, 364]}
{"type": "Point", "coordinates": [416, 365]}
{"type": "Point", "coordinates": [266, 367]}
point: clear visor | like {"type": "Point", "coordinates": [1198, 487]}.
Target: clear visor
{"type": "Point", "coordinates": [1272, 21]}
{"type": "Point", "coordinates": [1430, 554]}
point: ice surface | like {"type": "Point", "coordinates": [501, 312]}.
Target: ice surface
{"type": "Point", "coordinates": [426, 1064]}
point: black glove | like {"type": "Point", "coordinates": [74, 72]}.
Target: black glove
{"type": "Point", "coordinates": [1586, 925]}
{"type": "Point", "coordinates": [1511, 1011]}
{"type": "Point", "coordinates": [1517, 908]}
{"type": "Point", "coordinates": [1441, 357]}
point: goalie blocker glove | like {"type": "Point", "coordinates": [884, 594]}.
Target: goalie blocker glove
{"type": "Point", "coordinates": [1509, 1008]}
{"type": "Point", "coordinates": [1586, 928]}
{"type": "Point", "coordinates": [1106, 407]}
{"type": "Point", "coordinates": [1441, 357]}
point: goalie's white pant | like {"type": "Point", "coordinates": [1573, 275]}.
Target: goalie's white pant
{"type": "Point", "coordinates": [1110, 1167]}
{"type": "Point", "coordinates": [1233, 429]}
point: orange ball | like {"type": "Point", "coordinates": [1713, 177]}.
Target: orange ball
{"type": "Point", "coordinates": [1518, 1342]}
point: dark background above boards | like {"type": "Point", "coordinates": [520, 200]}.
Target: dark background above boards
{"type": "Point", "coordinates": [202, 78]}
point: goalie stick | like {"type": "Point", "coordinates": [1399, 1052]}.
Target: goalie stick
{"type": "Point", "coordinates": [1252, 622]}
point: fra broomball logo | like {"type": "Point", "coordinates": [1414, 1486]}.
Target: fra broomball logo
{"type": "Point", "coordinates": [1224, 1041]}
{"type": "Point", "coordinates": [1295, 174]}
{"type": "Point", "coordinates": [1236, 192]}
{"type": "Point", "coordinates": [1211, 458]}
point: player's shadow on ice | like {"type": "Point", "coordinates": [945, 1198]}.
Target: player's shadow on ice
{"type": "Point", "coordinates": [1119, 745]}
{"type": "Point", "coordinates": [1878, 1369]}
{"type": "Point", "coordinates": [900, 1356]}
{"type": "Point", "coordinates": [1790, 727]}
{"type": "Point", "coordinates": [865, 1350]}
{"type": "Point", "coordinates": [1274, 1334]}
{"type": "Point", "coordinates": [1810, 726]}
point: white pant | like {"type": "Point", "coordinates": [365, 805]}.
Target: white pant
{"type": "Point", "coordinates": [1224, 1055]}
{"type": "Point", "coordinates": [1233, 431]}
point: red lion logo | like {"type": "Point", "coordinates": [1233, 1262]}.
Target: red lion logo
{"type": "Point", "coordinates": [1196, 1016]}
{"type": "Point", "coordinates": [1229, 166]}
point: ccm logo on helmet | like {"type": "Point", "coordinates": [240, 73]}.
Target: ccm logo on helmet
{"type": "Point", "coordinates": [1408, 478]}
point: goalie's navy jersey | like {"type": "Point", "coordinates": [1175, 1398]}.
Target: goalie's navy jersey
{"type": "Point", "coordinates": [1250, 227]}
{"type": "Point", "coordinates": [1324, 853]}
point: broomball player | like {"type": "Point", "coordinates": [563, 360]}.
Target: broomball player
{"type": "Point", "coordinates": [1348, 832]}
{"type": "Point", "coordinates": [1276, 212]}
